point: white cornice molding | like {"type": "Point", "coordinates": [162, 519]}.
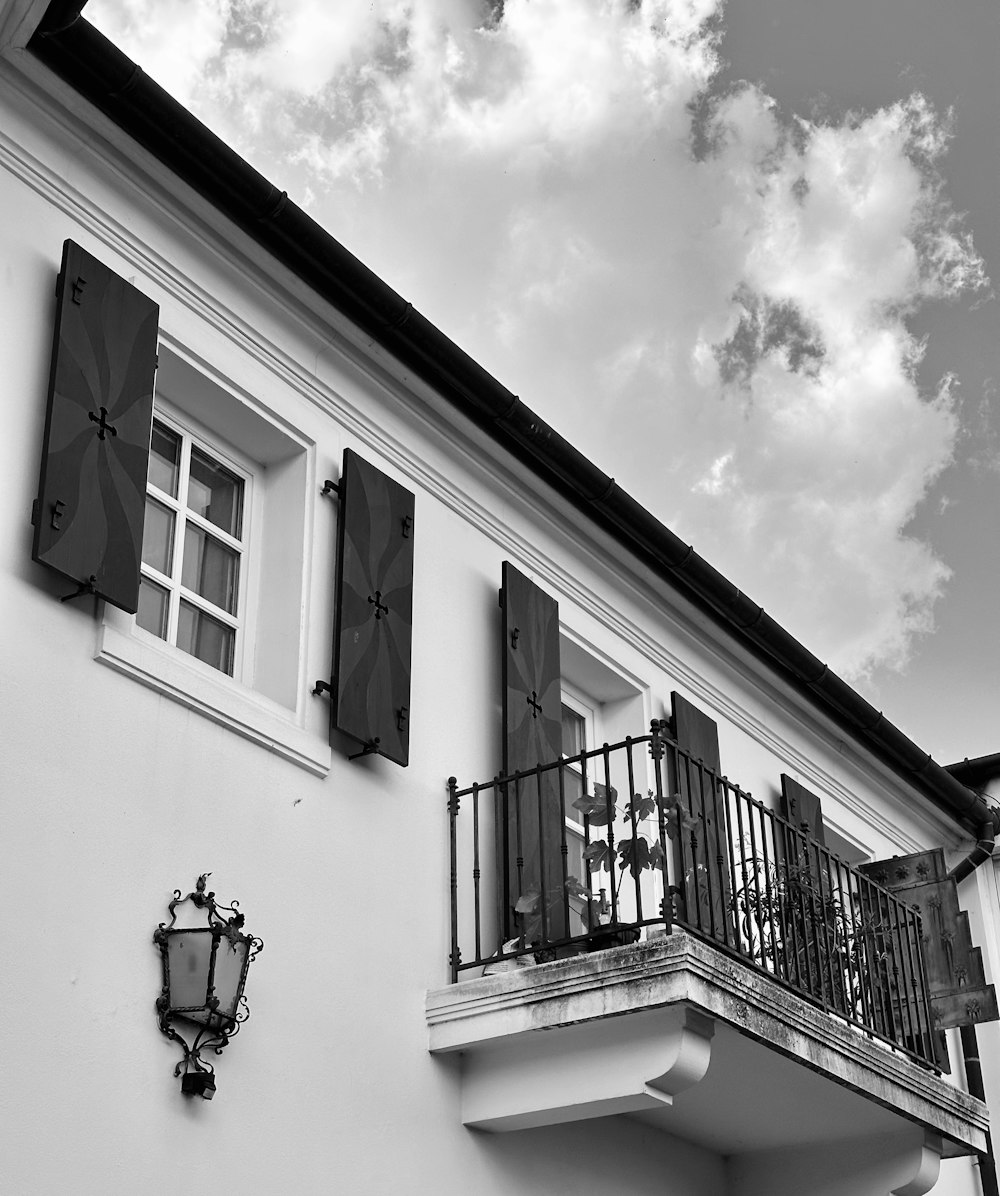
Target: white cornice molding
{"type": "Point", "coordinates": [18, 21]}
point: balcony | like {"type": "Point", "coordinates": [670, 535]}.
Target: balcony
{"type": "Point", "coordinates": [695, 960]}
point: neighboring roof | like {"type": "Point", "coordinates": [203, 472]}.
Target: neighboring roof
{"type": "Point", "coordinates": [98, 71]}
{"type": "Point", "coordinates": [978, 773]}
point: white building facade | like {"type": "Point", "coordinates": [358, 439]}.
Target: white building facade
{"type": "Point", "coordinates": [743, 1038]}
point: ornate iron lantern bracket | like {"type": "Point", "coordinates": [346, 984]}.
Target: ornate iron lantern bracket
{"type": "Point", "coordinates": [204, 973]}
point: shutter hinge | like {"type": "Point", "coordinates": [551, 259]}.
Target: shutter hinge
{"type": "Point", "coordinates": [331, 489]}
{"type": "Point", "coordinates": [371, 748]}
{"type": "Point", "coordinates": [85, 587]}
{"type": "Point", "coordinates": [321, 688]}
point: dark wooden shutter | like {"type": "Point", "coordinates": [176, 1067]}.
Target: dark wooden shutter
{"type": "Point", "coordinates": [531, 831]}
{"type": "Point", "coordinates": [702, 864]}
{"type": "Point", "coordinates": [802, 808]}
{"type": "Point", "coordinates": [807, 909]}
{"type": "Point", "coordinates": [959, 994]}
{"type": "Point", "coordinates": [372, 638]}
{"type": "Point", "coordinates": [92, 488]}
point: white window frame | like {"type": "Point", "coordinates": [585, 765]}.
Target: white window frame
{"type": "Point", "coordinates": [267, 700]}
{"type": "Point", "coordinates": [247, 575]}
{"type": "Point", "coordinates": [575, 700]}
{"type": "Point", "coordinates": [616, 704]}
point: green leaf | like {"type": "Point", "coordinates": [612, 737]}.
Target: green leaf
{"type": "Point", "coordinates": [641, 807]}
{"type": "Point", "coordinates": [527, 903]}
{"type": "Point", "coordinates": [598, 855]}
{"type": "Point", "coordinates": [633, 854]}
{"type": "Point", "coordinates": [676, 817]}
{"type": "Point", "coordinates": [595, 809]}
{"type": "Point", "coordinates": [606, 794]}
{"type": "Point", "coordinates": [575, 889]}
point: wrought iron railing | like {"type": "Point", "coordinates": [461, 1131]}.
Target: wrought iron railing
{"type": "Point", "coordinates": [634, 838]}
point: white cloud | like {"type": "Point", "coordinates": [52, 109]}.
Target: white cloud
{"type": "Point", "coordinates": [718, 318]}
{"type": "Point", "coordinates": [172, 40]}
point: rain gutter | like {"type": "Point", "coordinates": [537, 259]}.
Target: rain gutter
{"type": "Point", "coordinates": [976, 775]}
{"type": "Point", "coordinates": [90, 64]}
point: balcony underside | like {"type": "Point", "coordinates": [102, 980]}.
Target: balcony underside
{"type": "Point", "coordinates": [692, 1041]}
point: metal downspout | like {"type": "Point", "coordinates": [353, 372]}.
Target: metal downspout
{"type": "Point", "coordinates": [980, 853]}
{"type": "Point", "coordinates": [974, 1083]}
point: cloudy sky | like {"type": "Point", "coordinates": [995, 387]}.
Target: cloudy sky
{"type": "Point", "coordinates": [741, 254]}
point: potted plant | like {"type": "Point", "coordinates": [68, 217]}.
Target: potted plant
{"type": "Point", "coordinates": [631, 852]}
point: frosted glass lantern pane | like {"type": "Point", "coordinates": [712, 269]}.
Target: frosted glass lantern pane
{"type": "Point", "coordinates": [189, 953]}
{"type": "Point", "coordinates": [229, 961]}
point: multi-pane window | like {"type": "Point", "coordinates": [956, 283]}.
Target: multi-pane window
{"type": "Point", "coordinates": [575, 729]}
{"type": "Point", "coordinates": [192, 549]}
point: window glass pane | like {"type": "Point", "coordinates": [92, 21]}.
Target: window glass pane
{"type": "Point", "coordinates": [164, 455]}
{"type": "Point", "coordinates": [206, 638]}
{"type": "Point", "coordinates": [573, 732]}
{"type": "Point", "coordinates": [152, 612]}
{"type": "Point", "coordinates": [574, 741]}
{"type": "Point", "coordinates": [210, 568]}
{"type": "Point", "coordinates": [215, 493]}
{"type": "Point", "coordinates": [158, 536]}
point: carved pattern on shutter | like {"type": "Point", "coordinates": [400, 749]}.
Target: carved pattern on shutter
{"type": "Point", "coordinates": [373, 633]}
{"type": "Point", "coordinates": [959, 994]}
{"type": "Point", "coordinates": [707, 897]}
{"type": "Point", "coordinates": [92, 486]}
{"type": "Point", "coordinates": [530, 815]}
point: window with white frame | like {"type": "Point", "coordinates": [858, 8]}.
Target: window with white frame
{"type": "Point", "coordinates": [601, 702]}
{"type": "Point", "coordinates": [577, 736]}
{"type": "Point", "coordinates": [221, 625]}
{"type": "Point", "coordinates": [192, 592]}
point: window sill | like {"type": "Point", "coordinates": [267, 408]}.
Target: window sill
{"type": "Point", "coordinates": [218, 698]}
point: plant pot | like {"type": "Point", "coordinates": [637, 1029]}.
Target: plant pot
{"type": "Point", "coordinates": [612, 936]}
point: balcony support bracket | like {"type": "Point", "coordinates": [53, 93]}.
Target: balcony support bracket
{"type": "Point", "coordinates": [625, 1068]}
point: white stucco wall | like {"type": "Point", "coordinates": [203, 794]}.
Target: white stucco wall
{"type": "Point", "coordinates": [115, 793]}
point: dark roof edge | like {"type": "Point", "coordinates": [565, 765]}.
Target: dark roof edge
{"type": "Point", "coordinates": [97, 70]}
{"type": "Point", "coordinates": [977, 773]}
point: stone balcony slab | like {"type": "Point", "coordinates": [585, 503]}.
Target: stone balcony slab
{"type": "Point", "coordinates": [687, 1038]}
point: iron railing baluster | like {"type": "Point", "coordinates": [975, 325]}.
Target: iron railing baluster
{"type": "Point", "coordinates": [476, 870]}
{"type": "Point", "coordinates": [453, 803]}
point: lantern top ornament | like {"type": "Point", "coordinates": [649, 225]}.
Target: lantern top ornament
{"type": "Point", "coordinates": [204, 974]}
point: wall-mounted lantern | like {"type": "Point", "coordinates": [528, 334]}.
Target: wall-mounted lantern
{"type": "Point", "coordinates": [204, 972]}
